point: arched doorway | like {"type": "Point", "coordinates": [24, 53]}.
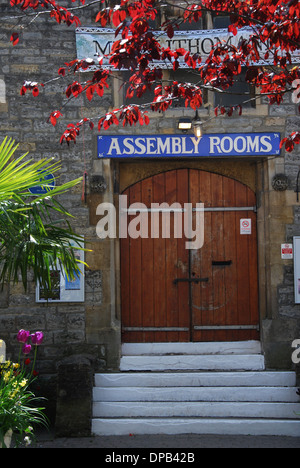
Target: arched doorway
{"type": "Point", "coordinates": [173, 294]}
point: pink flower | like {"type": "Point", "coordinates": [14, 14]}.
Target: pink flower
{"type": "Point", "coordinates": [23, 336]}
{"type": "Point", "coordinates": [26, 348]}
{"type": "Point", "coordinates": [37, 338]}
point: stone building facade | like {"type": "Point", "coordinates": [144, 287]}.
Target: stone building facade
{"type": "Point", "coordinates": [93, 327]}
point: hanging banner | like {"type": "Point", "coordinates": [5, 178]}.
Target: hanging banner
{"type": "Point", "coordinates": [92, 42]}
{"type": "Point", "coordinates": [181, 146]}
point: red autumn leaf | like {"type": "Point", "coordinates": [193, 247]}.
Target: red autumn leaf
{"type": "Point", "coordinates": [170, 31]}
{"type": "Point", "coordinates": [54, 116]}
{"type": "Point", "coordinates": [175, 65]}
{"type": "Point", "coordinates": [62, 71]}
{"type": "Point", "coordinates": [90, 92]}
{"type": "Point", "coordinates": [295, 136]}
{"type": "Point", "coordinates": [35, 91]}
{"type": "Point", "coordinates": [232, 28]}
{"type": "Point", "coordinates": [289, 145]}
{"type": "Point", "coordinates": [14, 38]}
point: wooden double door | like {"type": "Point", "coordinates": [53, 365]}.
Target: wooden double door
{"type": "Point", "coordinates": [170, 293]}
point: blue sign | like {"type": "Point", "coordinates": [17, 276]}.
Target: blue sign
{"type": "Point", "coordinates": [182, 146]}
{"type": "Point", "coordinates": [47, 184]}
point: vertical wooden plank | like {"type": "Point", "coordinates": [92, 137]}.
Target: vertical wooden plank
{"type": "Point", "coordinates": [171, 263]}
{"type": "Point", "coordinates": [253, 269]}
{"type": "Point", "coordinates": [147, 271]}
{"type": "Point", "coordinates": [135, 271]}
{"type": "Point", "coordinates": [230, 271]}
{"type": "Point", "coordinates": [159, 254]}
{"type": "Point", "coordinates": [125, 283]}
{"type": "Point", "coordinates": [203, 309]}
{"type": "Point", "coordinates": [217, 254]}
{"type": "Point", "coordinates": [243, 289]}
{"type": "Point", "coordinates": [182, 264]}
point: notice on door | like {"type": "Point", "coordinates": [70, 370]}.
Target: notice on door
{"type": "Point", "coordinates": [245, 226]}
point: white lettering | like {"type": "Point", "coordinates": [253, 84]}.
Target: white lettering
{"type": "Point", "coordinates": [242, 148]}
{"type": "Point", "coordinates": [184, 148]}
{"type": "Point", "coordinates": [141, 220]}
{"type": "Point", "coordinates": [196, 142]}
{"type": "Point", "coordinates": [114, 146]}
{"type": "Point", "coordinates": [176, 145]}
{"type": "Point", "coordinates": [163, 147]}
{"type": "Point", "coordinates": [140, 143]}
{"type": "Point", "coordinates": [116, 458]}
{"type": "Point", "coordinates": [188, 226]}
{"type": "Point", "coordinates": [128, 145]}
{"type": "Point", "coordinates": [150, 144]}
{"type": "Point", "coordinates": [109, 220]}
{"type": "Point", "coordinates": [123, 216]}
{"type": "Point", "coordinates": [252, 144]}
{"type": "Point", "coordinates": [166, 210]}
{"type": "Point", "coordinates": [296, 353]}
{"type": "Point", "coordinates": [265, 140]}
{"type": "Point", "coordinates": [214, 142]}
{"type": "Point", "coordinates": [230, 145]}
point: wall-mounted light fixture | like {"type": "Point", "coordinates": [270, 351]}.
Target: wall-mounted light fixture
{"type": "Point", "coordinates": [195, 124]}
{"type": "Point", "coordinates": [184, 124]}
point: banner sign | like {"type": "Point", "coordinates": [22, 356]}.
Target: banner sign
{"type": "Point", "coordinates": [181, 146]}
{"type": "Point", "coordinates": [97, 42]}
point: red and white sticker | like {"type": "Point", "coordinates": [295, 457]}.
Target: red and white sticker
{"type": "Point", "coordinates": [245, 226]}
{"type": "Point", "coordinates": [286, 251]}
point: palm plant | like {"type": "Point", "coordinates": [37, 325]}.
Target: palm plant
{"type": "Point", "coordinates": [34, 232]}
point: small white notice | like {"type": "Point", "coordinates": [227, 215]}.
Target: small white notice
{"type": "Point", "coordinates": [286, 251]}
{"type": "Point", "coordinates": [245, 226]}
{"type": "Point", "coordinates": [2, 351]}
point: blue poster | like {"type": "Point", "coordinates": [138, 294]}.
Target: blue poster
{"type": "Point", "coordinates": [181, 146]}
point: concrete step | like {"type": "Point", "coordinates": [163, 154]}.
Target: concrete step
{"type": "Point", "coordinates": [222, 402]}
{"type": "Point", "coordinates": [211, 409]}
{"type": "Point", "coordinates": [192, 362]}
{"type": "Point", "coordinates": [229, 426]}
{"type": "Point", "coordinates": [236, 347]}
{"type": "Point", "coordinates": [234, 394]}
{"type": "Point", "coordinates": [196, 379]}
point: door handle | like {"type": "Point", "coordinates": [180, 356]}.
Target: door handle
{"type": "Point", "coordinates": [190, 280]}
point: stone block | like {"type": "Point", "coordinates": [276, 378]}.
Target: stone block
{"type": "Point", "coordinates": [74, 397]}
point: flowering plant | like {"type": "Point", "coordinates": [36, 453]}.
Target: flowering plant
{"type": "Point", "coordinates": [19, 409]}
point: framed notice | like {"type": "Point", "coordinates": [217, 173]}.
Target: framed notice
{"type": "Point", "coordinates": [64, 289]}
{"type": "Point", "coordinates": [297, 268]}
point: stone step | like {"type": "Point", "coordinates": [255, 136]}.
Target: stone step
{"type": "Point", "coordinates": [236, 347]}
{"type": "Point", "coordinates": [262, 394]}
{"type": "Point", "coordinates": [211, 409]}
{"type": "Point", "coordinates": [196, 379]}
{"type": "Point", "coordinates": [192, 362]}
{"type": "Point", "coordinates": [228, 426]}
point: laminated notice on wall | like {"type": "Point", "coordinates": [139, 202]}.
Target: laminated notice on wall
{"type": "Point", "coordinates": [63, 287]}
{"type": "Point", "coordinates": [245, 226]}
{"type": "Point", "coordinates": [297, 268]}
